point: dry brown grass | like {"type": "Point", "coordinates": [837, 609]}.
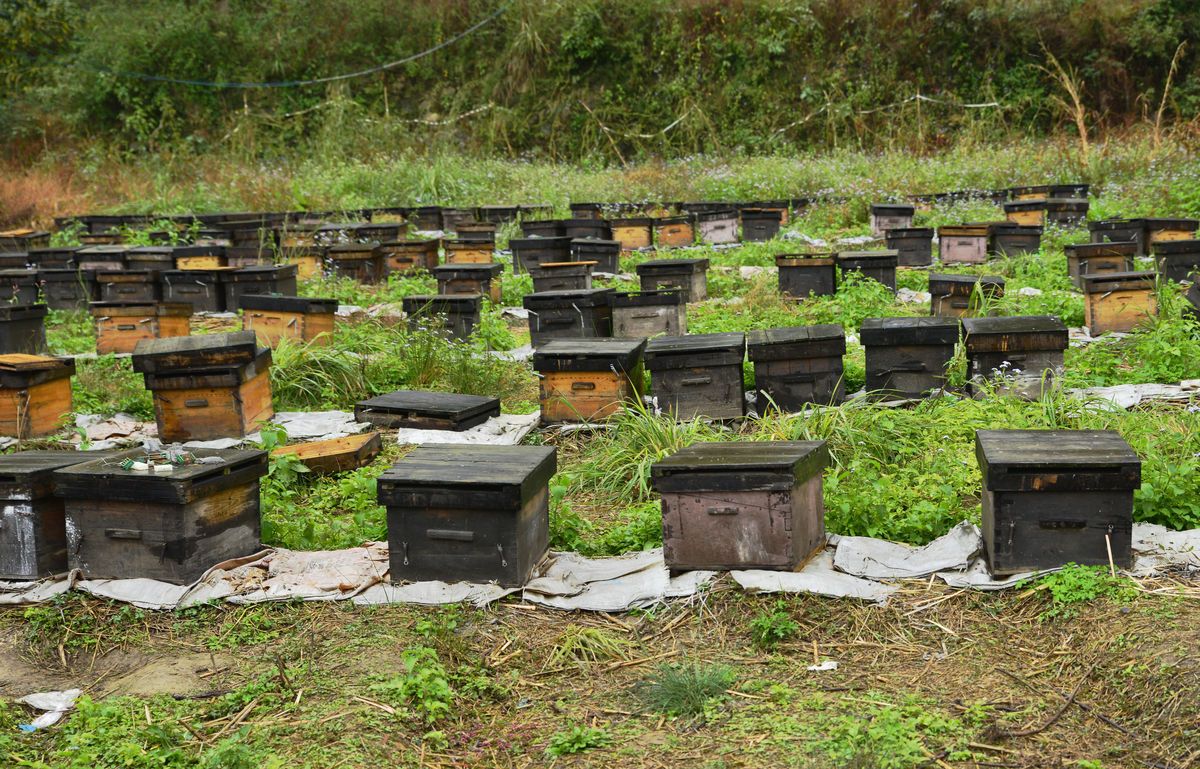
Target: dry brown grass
{"type": "Point", "coordinates": [36, 196]}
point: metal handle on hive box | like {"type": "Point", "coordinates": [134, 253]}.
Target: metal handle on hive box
{"type": "Point", "coordinates": [1063, 523]}
{"type": "Point", "coordinates": [583, 385]}
{"type": "Point", "coordinates": [699, 380]}
{"type": "Point", "coordinates": [722, 511]}
{"type": "Point", "coordinates": [452, 535]}
{"type": "Point", "coordinates": [195, 403]}
{"type": "Point", "coordinates": [123, 533]}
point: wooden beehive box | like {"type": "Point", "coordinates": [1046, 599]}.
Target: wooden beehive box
{"type": "Point", "coordinates": [19, 286]}
{"type": "Point", "coordinates": [420, 410]}
{"type": "Point", "coordinates": [1034, 191]}
{"type": "Point", "coordinates": [273, 317]}
{"type": "Point", "coordinates": [1007, 239]}
{"type": "Point", "coordinates": [309, 261]}
{"type": "Point", "coordinates": [1193, 297]}
{"type": "Point", "coordinates": [150, 258]}
{"type": "Point", "coordinates": [199, 288]}
{"type": "Point", "coordinates": [907, 357]}
{"type": "Point", "coordinates": [482, 232]}
{"type": "Point", "coordinates": [593, 229]}
{"type": "Point", "coordinates": [960, 296]}
{"type": "Point", "coordinates": [1026, 352]}
{"type": "Point", "coordinates": [468, 251]}
{"type": "Point", "coordinates": [35, 394]}
{"type": "Point", "coordinates": [1030, 212]}
{"type": "Point", "coordinates": [469, 279]}
{"type": "Point", "coordinates": [335, 455]}
{"type": "Point", "coordinates": [605, 253]}
{"type": "Point", "coordinates": [689, 276]}
{"type": "Point", "coordinates": [797, 366]}
{"type": "Point", "coordinates": [53, 258]}
{"type": "Point", "coordinates": [674, 231]}
{"type": "Point", "coordinates": [23, 328]}
{"type": "Point", "coordinates": [760, 224]}
{"type": "Point", "coordinates": [21, 240]}
{"type": "Point", "coordinates": [126, 524]}
{"type": "Point", "coordinates": [698, 374]}
{"type": "Point", "coordinates": [587, 210]}
{"type": "Point", "coordinates": [206, 387]}
{"type": "Point", "coordinates": [643, 314]}
{"type": "Point", "coordinates": [562, 276]}
{"type": "Point", "coordinates": [129, 286]}
{"type": "Point", "coordinates": [1159, 230]}
{"type": "Point", "coordinates": [33, 530]}
{"type": "Point", "coordinates": [543, 228]}
{"type": "Point", "coordinates": [963, 243]}
{"type": "Point", "coordinates": [1066, 212]}
{"type": "Point", "coordinates": [409, 255]}
{"type": "Point", "coordinates": [453, 217]}
{"type": "Point", "coordinates": [201, 257]}
{"type": "Point", "coordinates": [742, 505]}
{"type": "Point", "coordinates": [67, 288]}
{"type": "Point", "coordinates": [426, 218]}
{"type": "Point", "coordinates": [804, 275]}
{"type": "Point", "coordinates": [890, 216]}
{"type": "Point", "coordinates": [262, 279]}
{"type": "Point", "coordinates": [717, 227]}
{"type": "Point", "coordinates": [456, 315]}
{"type": "Point", "coordinates": [879, 265]}
{"type": "Point", "coordinates": [97, 258]}
{"type": "Point", "coordinates": [1118, 301]}
{"type": "Point", "coordinates": [531, 252]}
{"type": "Point", "coordinates": [237, 257]}
{"type": "Point", "coordinates": [1177, 260]}
{"type": "Point", "coordinates": [634, 233]}
{"type": "Point", "coordinates": [1098, 258]}
{"type": "Point", "coordinates": [110, 238]}
{"type": "Point", "coordinates": [1053, 497]}
{"type": "Point", "coordinates": [15, 260]}
{"type": "Point", "coordinates": [120, 326]}
{"type": "Point", "coordinates": [1121, 231]}
{"type": "Point", "coordinates": [499, 214]}
{"type": "Point", "coordinates": [468, 513]}
{"type": "Point", "coordinates": [581, 380]}
{"type": "Point", "coordinates": [361, 261]}
{"type": "Point", "coordinates": [583, 314]}
{"type": "Point", "coordinates": [913, 245]}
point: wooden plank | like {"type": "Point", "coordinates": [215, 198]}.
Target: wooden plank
{"type": "Point", "coordinates": [336, 454]}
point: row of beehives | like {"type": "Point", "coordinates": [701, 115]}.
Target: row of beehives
{"type": "Point", "coordinates": [481, 513]}
{"type": "Point", "coordinates": [702, 375]}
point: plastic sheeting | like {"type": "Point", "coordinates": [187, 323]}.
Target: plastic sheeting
{"type": "Point", "coordinates": [504, 430]}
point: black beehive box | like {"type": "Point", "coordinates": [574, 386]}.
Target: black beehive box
{"type": "Point", "coordinates": [562, 276]}
{"type": "Point", "coordinates": [1007, 239]}
{"type": "Point", "coordinates": [956, 296]}
{"type": "Point", "coordinates": [796, 366]}
{"type": "Point", "coordinates": [199, 288]}
{"type": "Point", "coordinates": [19, 286]}
{"type": "Point", "coordinates": [1177, 260]}
{"type": "Point", "coordinates": [1053, 497]}
{"type": "Point", "coordinates": [913, 245]}
{"type": "Point", "coordinates": [587, 229]}
{"type": "Point", "coordinates": [260, 279]}
{"type": "Point", "coordinates": [907, 357]}
{"type": "Point", "coordinates": [1025, 350]}
{"type": "Point", "coordinates": [129, 286]}
{"type": "Point", "coordinates": [804, 275]}
{"type": "Point", "coordinates": [1096, 258]}
{"type": "Point", "coordinates": [361, 261]}
{"type": "Point", "coordinates": [690, 276]}
{"type": "Point", "coordinates": [33, 531]}
{"type": "Point", "coordinates": [605, 253]}
{"type": "Point", "coordinates": [481, 279]}
{"type": "Point", "coordinates": [67, 288]}
{"type": "Point", "coordinates": [760, 223]}
{"type": "Point", "coordinates": [53, 258]}
{"type": "Point", "coordinates": [531, 252]}
{"type": "Point", "coordinates": [879, 266]}
{"type": "Point", "coordinates": [468, 513]}
{"type": "Point", "coordinates": [543, 228]}
{"type": "Point", "coordinates": [22, 328]}
{"type": "Point", "coordinates": [698, 374]}
{"type": "Point", "coordinates": [1121, 231]}
{"type": "Point", "coordinates": [643, 314]}
{"type": "Point", "coordinates": [742, 505]}
{"type": "Point", "coordinates": [124, 524]}
{"type": "Point", "coordinates": [569, 315]}
{"type": "Point", "coordinates": [455, 314]}
{"type": "Point", "coordinates": [423, 410]}
{"type": "Point", "coordinates": [151, 258]}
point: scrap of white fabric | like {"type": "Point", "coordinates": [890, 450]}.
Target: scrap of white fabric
{"type": "Point", "coordinates": [818, 576]}
{"type": "Point", "coordinates": [503, 430]}
{"type": "Point", "coordinates": [879, 559]}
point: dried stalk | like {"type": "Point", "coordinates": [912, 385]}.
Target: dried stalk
{"type": "Point", "coordinates": [1071, 84]}
{"type": "Point", "coordinates": [1162, 104]}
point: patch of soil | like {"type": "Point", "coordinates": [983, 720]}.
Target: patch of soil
{"type": "Point", "coordinates": [181, 674]}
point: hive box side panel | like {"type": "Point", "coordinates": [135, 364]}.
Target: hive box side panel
{"type": "Point", "coordinates": [1120, 311]}
{"type": "Point", "coordinates": [1026, 531]}
{"type": "Point", "coordinates": [33, 539]}
{"type": "Point", "coordinates": [728, 530]}
{"type": "Point", "coordinates": [579, 396]}
{"type": "Point", "coordinates": [206, 413]}
{"type": "Point", "coordinates": [36, 411]}
{"type": "Point", "coordinates": [713, 391]}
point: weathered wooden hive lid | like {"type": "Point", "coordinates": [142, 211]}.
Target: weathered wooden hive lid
{"type": "Point", "coordinates": [882, 255]}
{"type": "Point", "coordinates": [697, 350]}
{"type": "Point", "coordinates": [1045, 190]}
{"type": "Point", "coordinates": [469, 271]}
{"type": "Point", "coordinates": [434, 405]}
{"type": "Point", "coordinates": [1012, 228]}
{"type": "Point", "coordinates": [256, 272]}
{"type": "Point", "coordinates": [587, 223]}
{"type": "Point", "coordinates": [464, 244]}
{"type": "Point", "coordinates": [468, 476]}
{"type": "Point", "coordinates": [1116, 224]}
{"type": "Point", "coordinates": [621, 355]}
{"type": "Point", "coordinates": [824, 340]}
{"type": "Point", "coordinates": [18, 276]}
{"type": "Point", "coordinates": [593, 244]}
{"type": "Point", "coordinates": [123, 276]}
{"type": "Point", "coordinates": [53, 252]}
{"type": "Point", "coordinates": [716, 214]}
{"type": "Point", "coordinates": [152, 253]}
{"type": "Point", "coordinates": [1170, 247]}
{"type": "Point", "coordinates": [904, 331]}
{"type": "Point", "coordinates": [12, 312]}
{"type": "Point", "coordinates": [282, 303]}
{"type": "Point", "coordinates": [538, 227]}
{"type": "Point", "coordinates": [739, 466]}
{"type": "Point", "coordinates": [898, 233]}
{"type": "Point", "coordinates": [1028, 204]}
{"type": "Point", "coordinates": [138, 309]}
{"type": "Point", "coordinates": [200, 275]}
{"type": "Point", "coordinates": [353, 250]}
{"type": "Point", "coordinates": [951, 279]}
{"type": "Point", "coordinates": [190, 353]}
{"type": "Point", "coordinates": [1066, 204]}
{"type": "Point", "coordinates": [813, 259]}
{"type": "Point", "coordinates": [762, 213]}
{"type": "Point", "coordinates": [892, 209]}
{"type": "Point", "coordinates": [672, 266]}
{"type": "Point", "coordinates": [657, 298]}
{"type": "Point", "coordinates": [216, 470]}
{"type": "Point", "coordinates": [632, 221]}
{"type": "Point", "coordinates": [28, 475]}
{"type": "Point", "coordinates": [1102, 283]}
{"type": "Point", "coordinates": [1015, 333]}
{"type": "Point", "coordinates": [19, 370]}
{"type": "Point", "coordinates": [663, 221]}
{"type": "Point", "coordinates": [1169, 223]}
{"type": "Point", "coordinates": [962, 231]}
{"type": "Point", "coordinates": [468, 303]}
{"type": "Point", "coordinates": [561, 242]}
{"type": "Point", "coordinates": [65, 274]}
{"type": "Point", "coordinates": [583, 297]}
{"type": "Point", "coordinates": [409, 244]}
{"type": "Point", "coordinates": [1056, 460]}
{"type": "Point", "coordinates": [1089, 250]}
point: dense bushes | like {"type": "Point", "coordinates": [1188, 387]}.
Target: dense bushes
{"type": "Point", "coordinates": [751, 74]}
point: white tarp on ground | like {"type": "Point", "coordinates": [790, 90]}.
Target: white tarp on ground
{"type": "Point", "coordinates": [851, 567]}
{"type": "Point", "coordinates": [504, 430]}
